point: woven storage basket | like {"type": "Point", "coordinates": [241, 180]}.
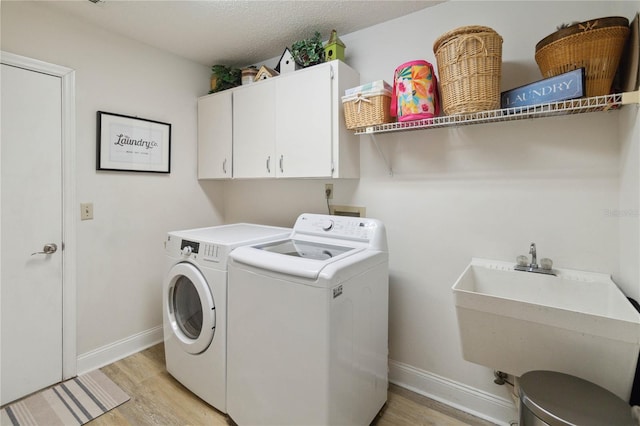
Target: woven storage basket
{"type": "Point", "coordinates": [469, 66]}
{"type": "Point", "coordinates": [362, 109]}
{"type": "Point", "coordinates": [594, 45]}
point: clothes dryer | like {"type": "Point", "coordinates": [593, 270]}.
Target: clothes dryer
{"type": "Point", "coordinates": [308, 320]}
{"type": "Point", "coordinates": [195, 304]}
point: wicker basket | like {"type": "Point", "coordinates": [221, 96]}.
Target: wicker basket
{"type": "Point", "coordinates": [594, 45]}
{"type": "Point", "coordinates": [367, 109]}
{"type": "Point", "coordinates": [469, 66]}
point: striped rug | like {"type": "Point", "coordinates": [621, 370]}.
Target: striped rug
{"type": "Point", "coordinates": [73, 402]}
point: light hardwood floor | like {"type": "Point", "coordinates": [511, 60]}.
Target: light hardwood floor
{"type": "Point", "coordinates": [158, 399]}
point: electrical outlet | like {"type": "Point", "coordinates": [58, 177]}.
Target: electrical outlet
{"type": "Point", "coordinates": [352, 211]}
{"type": "Point", "coordinates": [86, 211]}
{"type": "Point", "coordinates": [328, 191]}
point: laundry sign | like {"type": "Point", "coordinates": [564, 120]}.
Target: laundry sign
{"type": "Point", "coordinates": [569, 85]}
{"type": "Point", "coordinates": [133, 144]}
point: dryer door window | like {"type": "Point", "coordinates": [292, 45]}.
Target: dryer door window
{"type": "Point", "coordinates": [191, 308]}
{"type": "Point", "coordinates": [187, 307]}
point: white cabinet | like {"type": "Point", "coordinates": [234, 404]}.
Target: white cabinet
{"type": "Point", "coordinates": [290, 126]}
{"type": "Point", "coordinates": [303, 123]}
{"type": "Point", "coordinates": [215, 136]}
{"type": "Point", "coordinates": [254, 135]}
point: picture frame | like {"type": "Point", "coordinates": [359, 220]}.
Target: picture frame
{"type": "Point", "coordinates": [132, 144]}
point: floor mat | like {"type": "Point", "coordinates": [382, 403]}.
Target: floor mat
{"type": "Point", "coordinates": [74, 402]}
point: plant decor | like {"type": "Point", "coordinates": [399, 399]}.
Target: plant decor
{"type": "Point", "coordinates": [309, 51]}
{"type": "Point", "coordinates": [226, 77]}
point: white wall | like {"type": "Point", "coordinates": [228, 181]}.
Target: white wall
{"type": "Point", "coordinates": [478, 191]}
{"type": "Point", "coordinates": [485, 191]}
{"type": "Point", "coordinates": [120, 259]}
{"type": "Point", "coordinates": [628, 210]}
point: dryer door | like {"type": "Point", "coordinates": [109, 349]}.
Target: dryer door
{"type": "Point", "coordinates": [190, 307]}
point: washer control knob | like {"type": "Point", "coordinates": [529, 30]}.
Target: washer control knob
{"type": "Point", "coordinates": [186, 250]}
{"type": "Point", "coordinates": [327, 225]}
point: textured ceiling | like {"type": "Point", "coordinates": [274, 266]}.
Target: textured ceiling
{"type": "Point", "coordinates": [234, 32]}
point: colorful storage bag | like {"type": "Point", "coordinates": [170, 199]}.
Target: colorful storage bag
{"type": "Point", "coordinates": [415, 92]}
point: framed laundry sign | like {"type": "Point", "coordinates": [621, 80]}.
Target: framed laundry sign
{"type": "Point", "coordinates": [132, 144]}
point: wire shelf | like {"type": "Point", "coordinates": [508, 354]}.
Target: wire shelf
{"type": "Point", "coordinates": [574, 106]}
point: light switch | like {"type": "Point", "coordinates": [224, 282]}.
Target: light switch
{"type": "Point", "coordinates": [86, 211]}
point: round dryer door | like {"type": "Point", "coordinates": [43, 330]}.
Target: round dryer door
{"type": "Point", "coordinates": [191, 308]}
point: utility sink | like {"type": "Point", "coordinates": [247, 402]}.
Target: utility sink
{"type": "Point", "coordinates": [575, 322]}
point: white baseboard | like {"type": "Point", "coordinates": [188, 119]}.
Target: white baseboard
{"type": "Point", "coordinates": [457, 395]}
{"type": "Point", "coordinates": [115, 351]}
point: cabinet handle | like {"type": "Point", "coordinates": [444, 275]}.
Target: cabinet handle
{"type": "Point", "coordinates": [269, 164]}
{"type": "Point", "coordinates": [224, 166]}
{"type": "Point", "coordinates": [281, 162]}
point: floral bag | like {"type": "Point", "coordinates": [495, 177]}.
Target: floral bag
{"type": "Point", "coordinates": [415, 92]}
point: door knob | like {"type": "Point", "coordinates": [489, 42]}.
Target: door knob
{"type": "Point", "coordinates": [47, 249]}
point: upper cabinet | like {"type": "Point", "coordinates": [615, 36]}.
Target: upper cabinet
{"type": "Point", "coordinates": [304, 103]}
{"type": "Point", "coordinates": [290, 126]}
{"type": "Point", "coordinates": [254, 130]}
{"type": "Point", "coordinates": [215, 136]}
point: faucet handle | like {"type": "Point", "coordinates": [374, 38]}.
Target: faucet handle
{"type": "Point", "coordinates": [522, 260]}
{"type": "Point", "coordinates": [546, 263]}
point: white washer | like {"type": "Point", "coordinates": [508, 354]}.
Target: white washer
{"type": "Point", "coordinates": [308, 325]}
{"type": "Point", "coordinates": [194, 304]}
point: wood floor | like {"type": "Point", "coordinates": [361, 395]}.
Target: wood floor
{"type": "Point", "coordinates": [158, 399]}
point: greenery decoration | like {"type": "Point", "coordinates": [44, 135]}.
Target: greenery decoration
{"type": "Point", "coordinates": [309, 51]}
{"type": "Point", "coordinates": [565, 25]}
{"type": "Point", "coordinates": [226, 77]}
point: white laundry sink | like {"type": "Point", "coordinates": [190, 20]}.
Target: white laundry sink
{"type": "Point", "coordinates": [575, 322]}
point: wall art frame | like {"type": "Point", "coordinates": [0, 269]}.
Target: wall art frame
{"type": "Point", "coordinates": [132, 144]}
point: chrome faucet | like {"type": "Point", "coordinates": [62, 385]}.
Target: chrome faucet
{"type": "Point", "coordinates": [544, 268]}
{"type": "Point", "coordinates": [534, 259]}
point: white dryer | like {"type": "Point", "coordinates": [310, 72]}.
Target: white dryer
{"type": "Point", "coordinates": [195, 304]}
{"type": "Point", "coordinates": [308, 325]}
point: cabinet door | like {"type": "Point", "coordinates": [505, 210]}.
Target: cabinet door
{"type": "Point", "coordinates": [215, 136]}
{"type": "Point", "coordinates": [303, 123]}
{"type": "Point", "coordinates": [254, 130]}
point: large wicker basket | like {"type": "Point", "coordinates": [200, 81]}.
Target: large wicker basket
{"type": "Point", "coordinates": [469, 66]}
{"type": "Point", "coordinates": [594, 45]}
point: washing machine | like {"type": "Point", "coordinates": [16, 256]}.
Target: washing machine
{"type": "Point", "coordinates": [308, 325]}
{"type": "Point", "coordinates": [195, 304]}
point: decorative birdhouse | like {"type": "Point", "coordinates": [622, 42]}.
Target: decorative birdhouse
{"type": "Point", "coordinates": [287, 63]}
{"type": "Point", "coordinates": [334, 48]}
{"type": "Point", "coordinates": [265, 72]}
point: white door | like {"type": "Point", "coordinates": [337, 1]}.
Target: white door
{"type": "Point", "coordinates": [303, 123]}
{"type": "Point", "coordinates": [215, 136]}
{"type": "Point", "coordinates": [31, 222]}
{"type": "Point", "coordinates": [254, 131]}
